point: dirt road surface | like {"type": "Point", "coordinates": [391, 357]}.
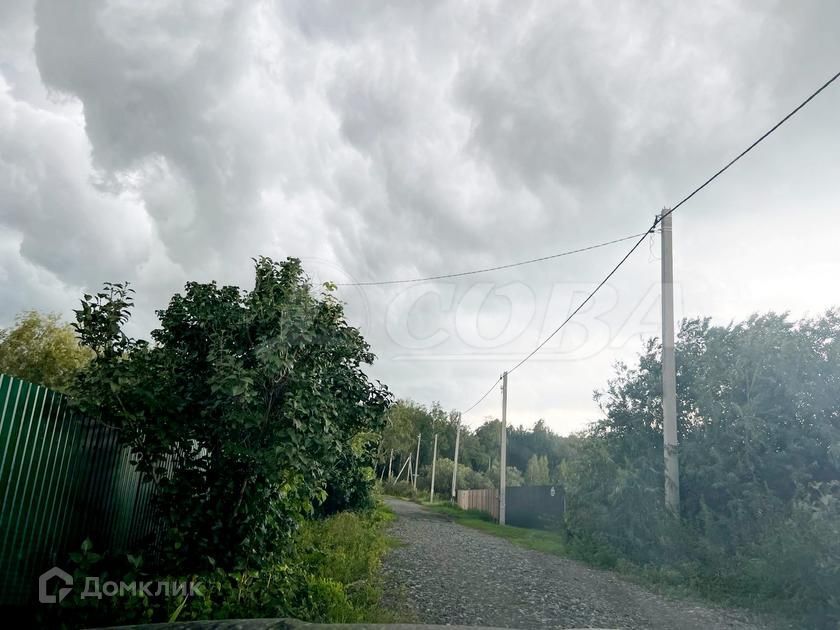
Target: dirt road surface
{"type": "Point", "coordinates": [451, 574]}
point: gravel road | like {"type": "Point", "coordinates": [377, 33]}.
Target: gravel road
{"type": "Point", "coordinates": [451, 574]}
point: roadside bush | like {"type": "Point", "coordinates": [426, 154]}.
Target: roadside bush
{"type": "Point", "coordinates": [402, 489]}
{"type": "Point", "coordinates": [331, 576]}
{"type": "Point", "coordinates": [350, 482]}
{"type": "Point", "coordinates": [798, 560]}
{"type": "Point", "coordinates": [243, 410]}
{"type": "Point", "coordinates": [759, 472]}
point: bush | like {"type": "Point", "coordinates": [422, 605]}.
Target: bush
{"type": "Point", "coordinates": [399, 489]}
{"type": "Point", "coordinates": [798, 559]}
{"type": "Point", "coordinates": [332, 576]}
{"type": "Point", "coordinates": [350, 483]}
{"type": "Point", "coordinates": [246, 411]}
{"type": "Point", "coordinates": [759, 471]}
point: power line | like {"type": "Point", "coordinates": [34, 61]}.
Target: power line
{"type": "Point", "coordinates": [485, 270]}
{"type": "Point", "coordinates": [751, 147]}
{"type": "Point", "coordinates": [588, 297]}
{"type": "Point", "coordinates": [665, 213]}
{"type": "Point", "coordinates": [486, 394]}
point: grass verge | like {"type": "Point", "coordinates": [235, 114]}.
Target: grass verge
{"type": "Point", "coordinates": [539, 540]}
{"type": "Point", "coordinates": [345, 553]}
{"type": "Point", "coordinates": [332, 573]}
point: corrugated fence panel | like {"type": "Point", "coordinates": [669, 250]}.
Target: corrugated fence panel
{"type": "Point", "coordinates": [63, 478]}
{"type": "Point", "coordinates": [537, 507]}
{"type": "Point", "coordinates": [525, 506]}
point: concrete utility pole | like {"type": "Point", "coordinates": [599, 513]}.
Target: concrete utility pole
{"type": "Point", "coordinates": [455, 467]}
{"type": "Point", "coordinates": [434, 459]}
{"type": "Point", "coordinates": [407, 463]}
{"type": "Point", "coordinates": [503, 458]}
{"type": "Point", "coordinates": [669, 374]}
{"type": "Point", "coordinates": [417, 462]}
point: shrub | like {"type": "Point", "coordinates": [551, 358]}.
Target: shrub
{"type": "Point", "coordinates": [400, 489]}
{"type": "Point", "coordinates": [239, 411]}
{"type": "Point", "coordinates": [331, 576]}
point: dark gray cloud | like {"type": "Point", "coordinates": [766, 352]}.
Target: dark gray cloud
{"type": "Point", "coordinates": [164, 142]}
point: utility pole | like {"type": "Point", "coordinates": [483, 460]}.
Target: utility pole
{"type": "Point", "coordinates": [455, 467]}
{"type": "Point", "coordinates": [669, 375]}
{"type": "Point", "coordinates": [503, 458]}
{"type": "Point", "coordinates": [417, 462]}
{"type": "Point", "coordinates": [434, 458]}
{"type": "Point", "coordinates": [407, 463]}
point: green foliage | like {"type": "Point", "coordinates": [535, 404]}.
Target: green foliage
{"type": "Point", "coordinates": [523, 444]}
{"type": "Point", "coordinates": [798, 559]}
{"type": "Point", "coordinates": [536, 474]}
{"type": "Point", "coordinates": [332, 576]}
{"type": "Point", "coordinates": [42, 350]}
{"type": "Point", "coordinates": [759, 433]}
{"type": "Point", "coordinates": [479, 448]}
{"type": "Point", "coordinates": [351, 480]}
{"type": "Point", "coordinates": [402, 489]}
{"type": "Point", "coordinates": [468, 479]}
{"type": "Point", "coordinates": [407, 419]}
{"type": "Point", "coordinates": [513, 476]}
{"type": "Point", "coordinates": [248, 408]}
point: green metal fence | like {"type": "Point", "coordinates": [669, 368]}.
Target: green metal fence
{"type": "Point", "coordinates": [63, 477]}
{"type": "Point", "coordinates": [537, 507]}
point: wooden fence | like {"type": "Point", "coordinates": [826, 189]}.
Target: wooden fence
{"type": "Point", "coordinates": [485, 500]}
{"type": "Point", "coordinates": [63, 478]}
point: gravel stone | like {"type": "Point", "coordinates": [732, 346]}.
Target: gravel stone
{"type": "Point", "coordinates": [450, 574]}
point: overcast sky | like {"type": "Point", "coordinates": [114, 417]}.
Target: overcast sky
{"type": "Point", "coordinates": [161, 142]}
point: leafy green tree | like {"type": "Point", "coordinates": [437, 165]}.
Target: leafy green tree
{"type": "Point", "coordinates": [541, 441]}
{"type": "Point", "coordinates": [488, 436]}
{"type": "Point", "coordinates": [468, 479]}
{"type": "Point", "coordinates": [42, 349]}
{"type": "Point", "coordinates": [405, 420]}
{"type": "Point", "coordinates": [513, 477]}
{"type": "Point", "coordinates": [759, 435]}
{"type": "Point", "coordinates": [536, 474]}
{"type": "Point", "coordinates": [243, 410]}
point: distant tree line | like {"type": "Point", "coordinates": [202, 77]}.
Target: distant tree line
{"type": "Point", "coordinates": [534, 455]}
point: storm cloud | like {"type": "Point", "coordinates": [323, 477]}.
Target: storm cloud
{"type": "Point", "coordinates": [160, 142]}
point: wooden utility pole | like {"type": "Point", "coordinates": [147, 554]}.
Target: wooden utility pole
{"type": "Point", "coordinates": [669, 374]}
{"type": "Point", "coordinates": [417, 462]}
{"type": "Point", "coordinates": [455, 467]}
{"type": "Point", "coordinates": [434, 457]}
{"type": "Point", "coordinates": [503, 457]}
